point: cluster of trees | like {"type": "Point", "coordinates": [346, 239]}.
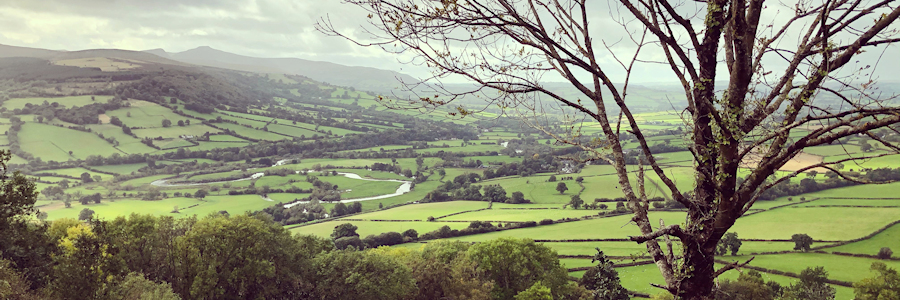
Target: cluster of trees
{"type": "Point", "coordinates": [83, 115]}
{"type": "Point", "coordinates": [462, 188]}
{"type": "Point", "coordinates": [341, 209]}
{"type": "Point", "coordinates": [298, 213]}
{"type": "Point", "coordinates": [810, 184]}
{"type": "Point", "coordinates": [529, 166]}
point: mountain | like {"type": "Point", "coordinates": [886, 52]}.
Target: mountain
{"type": "Point", "coordinates": [14, 51]}
{"type": "Point", "coordinates": [364, 78]}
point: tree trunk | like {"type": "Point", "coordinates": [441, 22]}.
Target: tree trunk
{"type": "Point", "coordinates": [700, 285]}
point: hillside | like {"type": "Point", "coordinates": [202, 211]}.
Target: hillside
{"type": "Point", "coordinates": [364, 78]}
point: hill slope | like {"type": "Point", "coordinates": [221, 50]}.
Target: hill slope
{"type": "Point", "coordinates": [359, 77]}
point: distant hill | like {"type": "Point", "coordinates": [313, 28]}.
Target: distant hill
{"type": "Point", "coordinates": [364, 78]}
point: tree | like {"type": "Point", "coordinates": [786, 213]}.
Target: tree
{"type": "Point", "coordinates": [884, 285]}
{"type": "Point", "coordinates": [349, 275]}
{"type": "Point", "coordinates": [719, 51]}
{"type": "Point", "coordinates": [137, 286]}
{"type": "Point", "coordinates": [812, 285]}
{"type": "Point", "coordinates": [802, 241]}
{"type": "Point", "coordinates": [561, 187]}
{"type": "Point", "coordinates": [166, 123]}
{"type": "Point", "coordinates": [885, 253]}
{"type": "Point", "coordinates": [865, 146]}
{"type": "Point", "coordinates": [579, 179]}
{"type": "Point", "coordinates": [729, 242]}
{"type": "Point", "coordinates": [344, 230]}
{"type": "Point", "coordinates": [494, 193]}
{"type": "Point", "coordinates": [602, 280]}
{"type": "Point", "coordinates": [85, 214]}
{"type": "Point", "coordinates": [552, 178]}
{"type": "Point", "coordinates": [181, 123]}
{"type": "Point", "coordinates": [576, 201]}
{"type": "Point", "coordinates": [536, 292]}
{"type": "Point", "coordinates": [749, 286]}
{"type": "Point", "coordinates": [86, 178]}
{"type": "Point", "coordinates": [200, 194]}
{"type": "Point", "coordinates": [517, 197]}
{"type": "Point", "coordinates": [502, 259]}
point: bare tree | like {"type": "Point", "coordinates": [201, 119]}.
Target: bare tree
{"type": "Point", "coordinates": [753, 120]}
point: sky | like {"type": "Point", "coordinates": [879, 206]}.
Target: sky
{"type": "Point", "coordinates": [260, 28]}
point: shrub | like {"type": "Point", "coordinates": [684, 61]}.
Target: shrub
{"type": "Point", "coordinates": [659, 204]}
{"type": "Point", "coordinates": [885, 253]}
{"type": "Point", "coordinates": [430, 219]}
{"type": "Point", "coordinates": [546, 222]}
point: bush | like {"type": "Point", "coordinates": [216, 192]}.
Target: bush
{"type": "Point", "coordinates": [885, 253]}
{"type": "Point", "coordinates": [546, 222]}
{"type": "Point", "coordinates": [430, 219]}
{"type": "Point", "coordinates": [659, 204]}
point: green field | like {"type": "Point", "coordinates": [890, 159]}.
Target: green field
{"type": "Point", "coordinates": [889, 238]}
{"type": "Point", "coordinates": [822, 223]}
{"type": "Point", "coordinates": [422, 211]}
{"type": "Point", "coordinates": [54, 143]}
{"type": "Point", "coordinates": [175, 131]}
{"type": "Point", "coordinates": [324, 229]}
{"type": "Point", "coordinates": [520, 215]}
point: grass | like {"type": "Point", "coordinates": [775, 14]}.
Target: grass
{"type": "Point", "coordinates": [889, 238]}
{"type": "Point", "coordinates": [144, 180]}
{"type": "Point", "coordinates": [50, 142]}
{"type": "Point", "coordinates": [225, 138]}
{"type": "Point", "coordinates": [120, 207]}
{"type": "Point", "coordinates": [127, 143]}
{"type": "Point", "coordinates": [839, 267]}
{"type": "Point", "coordinates": [174, 131]}
{"type": "Point", "coordinates": [612, 227]}
{"type": "Point", "coordinates": [147, 114]}
{"type": "Point", "coordinates": [520, 215]}
{"type": "Point", "coordinates": [232, 204]}
{"type": "Point", "coordinates": [218, 145]}
{"type": "Point", "coordinates": [76, 172]}
{"type": "Point", "coordinates": [365, 228]}
{"type": "Point", "coordinates": [422, 211]}
{"type": "Point", "coordinates": [292, 131]}
{"type": "Point", "coordinates": [252, 133]}
{"type": "Point", "coordinates": [823, 223]}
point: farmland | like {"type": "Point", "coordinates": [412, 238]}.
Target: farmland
{"type": "Point", "coordinates": [208, 160]}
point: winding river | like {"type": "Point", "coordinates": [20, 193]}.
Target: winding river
{"type": "Point", "coordinates": [404, 188]}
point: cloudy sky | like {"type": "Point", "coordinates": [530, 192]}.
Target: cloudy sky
{"type": "Point", "coordinates": [261, 28]}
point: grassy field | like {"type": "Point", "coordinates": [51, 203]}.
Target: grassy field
{"type": "Point", "coordinates": [76, 172]}
{"type": "Point", "coordinates": [839, 267]}
{"type": "Point", "coordinates": [324, 229]}
{"type": "Point", "coordinates": [612, 227]}
{"type": "Point", "coordinates": [422, 211]}
{"type": "Point", "coordinates": [54, 143]}
{"type": "Point", "coordinates": [520, 215]}
{"type": "Point", "coordinates": [889, 238]}
{"type": "Point", "coordinates": [175, 131]}
{"type": "Point", "coordinates": [252, 133]}
{"type": "Point", "coordinates": [822, 223]}
{"type": "Point", "coordinates": [121, 207]}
